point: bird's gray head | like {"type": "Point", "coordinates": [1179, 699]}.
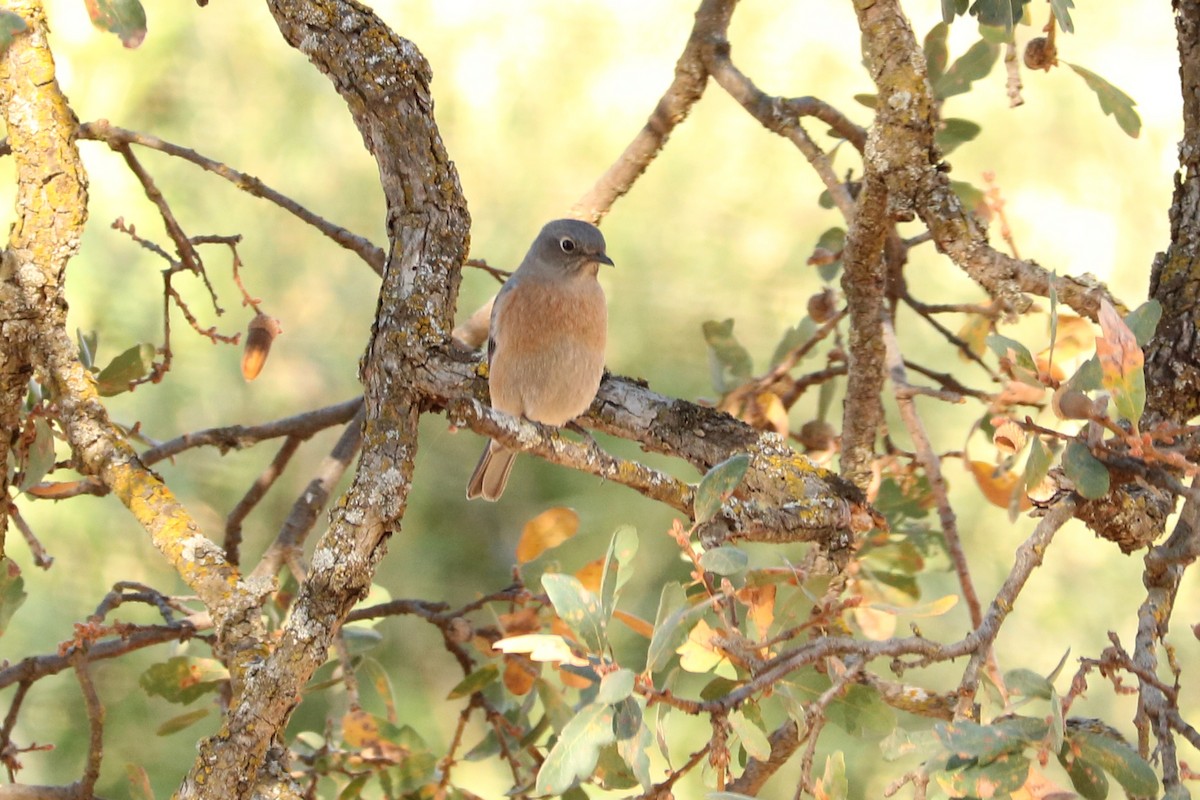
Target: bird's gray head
{"type": "Point", "coordinates": [569, 244]}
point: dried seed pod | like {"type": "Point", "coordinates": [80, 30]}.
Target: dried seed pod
{"type": "Point", "coordinates": [259, 336]}
{"type": "Point", "coordinates": [1009, 438]}
{"type": "Point", "coordinates": [822, 306]}
{"type": "Point", "coordinates": [1040, 53]}
{"type": "Point", "coordinates": [817, 434]}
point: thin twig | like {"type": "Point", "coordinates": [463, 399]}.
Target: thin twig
{"type": "Point", "coordinates": [931, 464]}
{"type": "Point", "coordinates": [115, 137]}
{"type": "Point", "coordinates": [95, 716]}
{"type": "Point", "coordinates": [308, 505]}
{"type": "Point", "coordinates": [257, 491]}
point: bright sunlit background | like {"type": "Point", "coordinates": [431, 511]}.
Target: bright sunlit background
{"type": "Point", "coordinates": [535, 98]}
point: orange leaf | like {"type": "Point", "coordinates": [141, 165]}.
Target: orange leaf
{"type": "Point", "coordinates": [997, 488]}
{"type": "Point", "coordinates": [591, 574]}
{"type": "Point", "coordinates": [635, 624]}
{"type": "Point", "coordinates": [359, 728]}
{"type": "Point", "coordinates": [761, 602]}
{"type": "Point", "coordinates": [519, 675]}
{"type": "Point", "coordinates": [549, 529]}
{"type": "Point", "coordinates": [1121, 363]}
{"type": "Point", "coordinates": [524, 620]}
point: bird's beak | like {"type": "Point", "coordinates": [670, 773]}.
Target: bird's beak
{"type": "Point", "coordinates": [602, 258]}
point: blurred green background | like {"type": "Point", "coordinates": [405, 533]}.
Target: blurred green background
{"type": "Point", "coordinates": [535, 98]}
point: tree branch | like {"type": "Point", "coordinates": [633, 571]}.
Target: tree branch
{"type": "Point", "coordinates": [712, 20]}
{"type": "Point", "coordinates": [119, 140]}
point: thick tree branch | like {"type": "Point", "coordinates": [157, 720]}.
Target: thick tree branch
{"type": "Point", "coordinates": [784, 496]}
{"type": "Point", "coordinates": [905, 155]}
{"type": "Point", "coordinates": [1173, 355]}
{"type": "Point", "coordinates": [384, 81]}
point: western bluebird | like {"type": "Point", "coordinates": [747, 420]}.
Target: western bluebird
{"type": "Point", "coordinates": [546, 340]}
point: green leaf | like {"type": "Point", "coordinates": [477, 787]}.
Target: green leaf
{"type": "Point", "coordinates": [634, 739]}
{"type": "Point", "coordinates": [618, 567]}
{"type": "Point", "coordinates": [87, 346]}
{"type": "Point", "coordinates": [354, 788]}
{"type": "Point", "coordinates": [1028, 683]}
{"type": "Point", "coordinates": [39, 458]}
{"type": "Point", "coordinates": [1087, 778]}
{"type": "Point", "coordinates": [1017, 353]}
{"type": "Point", "coordinates": [901, 744]}
{"type": "Point", "coordinates": [615, 687]}
{"type": "Point", "coordinates": [182, 679]}
{"type": "Point", "coordinates": [862, 713]}
{"type": "Point", "coordinates": [12, 591]}
{"type": "Point", "coordinates": [954, 132]}
{"type": "Point", "coordinates": [1090, 477]}
{"type": "Point", "coordinates": [374, 674]}
{"type": "Point", "coordinates": [753, 738]}
{"type": "Point", "coordinates": [1062, 15]}
{"type": "Point", "coordinates": [1089, 377]}
{"type": "Point", "coordinates": [1056, 735]}
{"type": "Point", "coordinates": [612, 772]}
{"type": "Point", "coordinates": [725, 560]}
{"type": "Point", "coordinates": [132, 365]}
{"type": "Point", "coordinates": [953, 8]}
{"type": "Point", "coordinates": [1112, 100]}
{"type": "Point", "coordinates": [125, 18]}
{"type": "Point", "coordinates": [10, 24]}
{"type": "Point", "coordinates": [669, 632]}
{"type": "Point", "coordinates": [1143, 321]}
{"type": "Point", "coordinates": [937, 55]}
{"type": "Point", "coordinates": [359, 639]}
{"type": "Point", "coordinates": [717, 485]}
{"type": "Point", "coordinates": [793, 337]}
{"type": "Point", "coordinates": [474, 682]}
{"type": "Point", "coordinates": [1038, 463]}
{"type": "Point", "coordinates": [176, 724]}
{"type": "Point", "coordinates": [1117, 759]}
{"type": "Point", "coordinates": [986, 743]}
{"type": "Point", "coordinates": [972, 196]}
{"type": "Point", "coordinates": [577, 607]}
{"type": "Point", "coordinates": [972, 65]}
{"type": "Point", "coordinates": [833, 784]}
{"type": "Point", "coordinates": [577, 750]}
{"type": "Point", "coordinates": [1000, 13]}
{"type": "Point", "coordinates": [832, 240]}
{"type": "Point", "coordinates": [729, 361]}
{"type": "Point", "coordinates": [557, 709]}
{"type": "Point", "coordinates": [864, 99]}
{"type": "Point", "coordinates": [996, 778]}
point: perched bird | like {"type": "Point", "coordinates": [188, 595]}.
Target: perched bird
{"type": "Point", "coordinates": [546, 340]}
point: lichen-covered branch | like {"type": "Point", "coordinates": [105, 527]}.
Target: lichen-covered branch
{"type": "Point", "coordinates": [906, 156]}
{"type": "Point", "coordinates": [384, 81]}
{"type": "Point", "coordinates": [784, 496]}
{"type": "Point", "coordinates": [1173, 355]}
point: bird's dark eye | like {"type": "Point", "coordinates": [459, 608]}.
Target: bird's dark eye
{"type": "Point", "coordinates": [567, 244]}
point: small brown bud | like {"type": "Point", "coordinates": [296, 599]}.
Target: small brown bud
{"type": "Point", "coordinates": [1040, 54]}
{"type": "Point", "coordinates": [817, 434]}
{"type": "Point", "coordinates": [822, 306]}
{"type": "Point", "coordinates": [1072, 404]}
{"type": "Point", "coordinates": [259, 336]}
